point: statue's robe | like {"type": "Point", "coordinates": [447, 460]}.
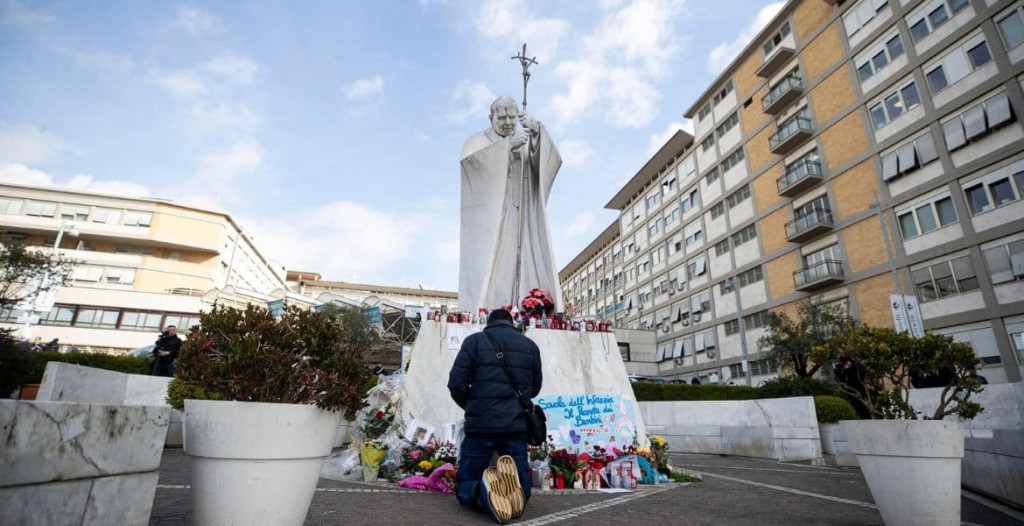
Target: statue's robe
{"type": "Point", "coordinates": [492, 185]}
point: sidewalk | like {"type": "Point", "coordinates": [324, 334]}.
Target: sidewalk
{"type": "Point", "coordinates": [735, 490]}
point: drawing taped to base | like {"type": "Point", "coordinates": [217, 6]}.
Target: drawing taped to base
{"type": "Point", "coordinates": [581, 421]}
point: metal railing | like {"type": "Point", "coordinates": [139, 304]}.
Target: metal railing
{"type": "Point", "coordinates": [797, 172]}
{"type": "Point", "coordinates": [781, 89]}
{"type": "Point", "coordinates": [828, 268]}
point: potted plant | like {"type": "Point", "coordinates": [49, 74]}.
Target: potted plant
{"type": "Point", "coordinates": [263, 398]}
{"type": "Point", "coordinates": [830, 410]}
{"type": "Point", "coordinates": [912, 466]}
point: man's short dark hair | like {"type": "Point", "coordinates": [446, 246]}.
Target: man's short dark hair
{"type": "Point", "coordinates": [499, 314]}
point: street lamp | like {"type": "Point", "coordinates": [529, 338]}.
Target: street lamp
{"type": "Point", "coordinates": [730, 285]}
{"type": "Point", "coordinates": [72, 231]}
{"type": "Point", "coordinates": [44, 301]}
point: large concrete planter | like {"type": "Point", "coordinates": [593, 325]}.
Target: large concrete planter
{"type": "Point", "coordinates": [78, 464]}
{"type": "Point", "coordinates": [912, 468]}
{"type": "Point", "coordinates": [834, 443]}
{"type": "Point", "coordinates": [255, 463]}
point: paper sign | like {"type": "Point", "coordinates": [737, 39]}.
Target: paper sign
{"type": "Point", "coordinates": [581, 421]}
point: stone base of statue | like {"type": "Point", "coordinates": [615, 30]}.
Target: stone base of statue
{"type": "Point", "coordinates": [587, 396]}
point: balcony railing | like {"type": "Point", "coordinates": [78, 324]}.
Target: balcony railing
{"type": "Point", "coordinates": [782, 95]}
{"type": "Point", "coordinates": [809, 225]}
{"type": "Point", "coordinates": [791, 134]}
{"type": "Point", "coordinates": [799, 177]}
{"type": "Point", "coordinates": [818, 275]}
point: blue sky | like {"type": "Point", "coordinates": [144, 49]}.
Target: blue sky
{"type": "Point", "coordinates": [331, 130]}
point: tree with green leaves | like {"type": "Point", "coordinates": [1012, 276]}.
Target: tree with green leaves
{"type": "Point", "coordinates": [26, 272]}
{"type": "Point", "coordinates": [789, 342]}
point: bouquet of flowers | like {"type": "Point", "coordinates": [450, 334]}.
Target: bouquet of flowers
{"type": "Point", "coordinates": [565, 463]}
{"type": "Point", "coordinates": [379, 422]}
{"type": "Point", "coordinates": [447, 453]}
{"type": "Point", "coordinates": [540, 452]}
{"type": "Point", "coordinates": [416, 455]}
{"type": "Point", "coordinates": [598, 457]}
{"type": "Point", "coordinates": [371, 454]}
{"type": "Point", "coordinates": [659, 449]}
{"type": "Point", "coordinates": [538, 303]}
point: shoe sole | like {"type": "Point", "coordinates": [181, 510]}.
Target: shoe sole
{"type": "Point", "coordinates": [501, 508]}
{"type": "Point", "coordinates": [509, 475]}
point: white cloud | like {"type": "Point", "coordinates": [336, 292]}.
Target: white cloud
{"type": "Point", "coordinates": [724, 53]}
{"type": "Point", "coordinates": [178, 83]}
{"type": "Point", "coordinates": [580, 224]}
{"type": "Point", "coordinates": [619, 62]}
{"type": "Point", "coordinates": [575, 152]}
{"type": "Point", "coordinates": [23, 144]}
{"type": "Point", "coordinates": [238, 159]}
{"type": "Point", "coordinates": [219, 117]}
{"type": "Point", "coordinates": [471, 100]}
{"type": "Point", "coordinates": [505, 21]}
{"type": "Point", "coordinates": [365, 87]}
{"type": "Point", "coordinates": [196, 21]}
{"type": "Point", "coordinates": [234, 68]}
{"type": "Point", "coordinates": [16, 173]}
{"type": "Point", "coordinates": [659, 139]}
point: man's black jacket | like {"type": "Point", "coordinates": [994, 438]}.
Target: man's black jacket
{"type": "Point", "coordinates": [478, 385]}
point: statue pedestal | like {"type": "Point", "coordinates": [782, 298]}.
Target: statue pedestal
{"type": "Point", "coordinates": [586, 395]}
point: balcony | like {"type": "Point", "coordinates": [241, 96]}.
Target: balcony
{"type": "Point", "coordinates": [775, 60]}
{"type": "Point", "coordinates": [810, 225]}
{"type": "Point", "coordinates": [818, 275]}
{"type": "Point", "coordinates": [782, 95]}
{"type": "Point", "coordinates": [791, 134]}
{"type": "Point", "coordinates": [799, 177]}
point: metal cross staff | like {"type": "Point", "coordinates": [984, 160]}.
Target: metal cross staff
{"type": "Point", "coordinates": [526, 63]}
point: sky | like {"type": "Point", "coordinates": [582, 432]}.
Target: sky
{"type": "Point", "coordinates": [331, 130]}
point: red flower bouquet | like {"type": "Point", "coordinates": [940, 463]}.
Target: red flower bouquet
{"type": "Point", "coordinates": [538, 303]}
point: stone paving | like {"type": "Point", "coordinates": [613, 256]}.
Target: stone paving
{"type": "Point", "coordinates": [735, 490]}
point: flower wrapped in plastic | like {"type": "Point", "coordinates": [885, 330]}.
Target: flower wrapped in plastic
{"type": "Point", "coordinates": [371, 453]}
{"type": "Point", "coordinates": [538, 303]}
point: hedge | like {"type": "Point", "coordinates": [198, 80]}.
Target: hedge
{"type": "Point", "coordinates": [109, 362]}
{"type": "Point", "coordinates": [831, 409]}
{"type": "Point", "coordinates": [657, 392]}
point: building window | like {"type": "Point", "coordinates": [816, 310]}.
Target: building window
{"type": "Point", "coordinates": [887, 49]}
{"type": "Point", "coordinates": [732, 327]}
{"type": "Point", "coordinates": [776, 39]}
{"type": "Point", "coordinates": [944, 279]}
{"type": "Point", "coordinates": [909, 157]}
{"type": "Point", "coordinates": [61, 315]}
{"type": "Point", "coordinates": [670, 185]}
{"type": "Point", "coordinates": [717, 210]}
{"type": "Point", "coordinates": [761, 368]}
{"type": "Point", "coordinates": [706, 144]}
{"type": "Point", "coordinates": [704, 112]}
{"type": "Point", "coordinates": [894, 104]}
{"type": "Point", "coordinates": [134, 218]}
{"type": "Point", "coordinates": [738, 196]}
{"type": "Point", "coordinates": [140, 321]}
{"type": "Point", "coordinates": [755, 320]}
{"type": "Point", "coordinates": [653, 200]}
{"type": "Point", "coordinates": [1011, 27]}
{"type": "Point", "coordinates": [750, 277]}
{"type": "Point", "coordinates": [722, 94]}
{"type": "Point", "coordinates": [732, 160]}
{"type": "Point", "coordinates": [1018, 343]}
{"type": "Point", "coordinates": [977, 122]}
{"type": "Point", "coordinates": [97, 318]}
{"type": "Point", "coordinates": [994, 191]}
{"type": "Point", "coordinates": [861, 13]}
{"type": "Point", "coordinates": [958, 63]}
{"type": "Point", "coordinates": [41, 209]}
{"type": "Point", "coordinates": [694, 233]}
{"type": "Point", "coordinates": [1005, 262]}
{"type": "Point", "coordinates": [74, 212]}
{"type": "Point", "coordinates": [744, 235]}
{"type": "Point", "coordinates": [11, 206]}
{"type": "Point", "coordinates": [933, 16]}
{"type": "Point", "coordinates": [654, 227]}
{"type": "Point", "coordinates": [691, 201]}
{"type": "Point", "coordinates": [624, 351]}
{"type": "Point", "coordinates": [922, 218]}
{"type": "Point", "coordinates": [672, 215]}
{"type": "Point", "coordinates": [722, 247]}
{"type": "Point", "coordinates": [729, 124]}
{"type": "Point", "coordinates": [697, 267]}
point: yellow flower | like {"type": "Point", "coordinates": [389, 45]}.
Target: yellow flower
{"type": "Point", "coordinates": [658, 441]}
{"type": "Point", "coordinates": [425, 464]}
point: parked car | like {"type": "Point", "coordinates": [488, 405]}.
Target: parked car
{"type": "Point", "coordinates": [145, 351]}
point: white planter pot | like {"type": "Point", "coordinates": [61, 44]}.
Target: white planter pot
{"type": "Point", "coordinates": [833, 442]}
{"type": "Point", "coordinates": [68, 463]}
{"type": "Point", "coordinates": [912, 468]}
{"type": "Point", "coordinates": [255, 463]}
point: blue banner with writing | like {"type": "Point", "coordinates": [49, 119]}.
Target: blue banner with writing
{"type": "Point", "coordinates": [581, 421]}
{"type": "Point", "coordinates": [276, 308]}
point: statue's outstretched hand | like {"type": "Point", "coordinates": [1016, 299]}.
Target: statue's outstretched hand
{"type": "Point", "coordinates": [519, 138]}
{"type": "Point", "coordinates": [529, 122]}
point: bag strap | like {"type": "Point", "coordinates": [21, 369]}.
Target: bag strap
{"type": "Point", "coordinates": [527, 405]}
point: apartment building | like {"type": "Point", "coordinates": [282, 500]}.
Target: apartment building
{"type": "Point", "coordinates": [141, 264]}
{"type": "Point", "coordinates": [864, 153]}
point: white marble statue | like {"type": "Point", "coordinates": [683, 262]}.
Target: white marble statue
{"type": "Point", "coordinates": [504, 222]}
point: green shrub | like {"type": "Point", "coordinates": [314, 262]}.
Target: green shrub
{"type": "Point", "coordinates": [655, 392]}
{"type": "Point", "coordinates": [178, 392]}
{"type": "Point", "coordinates": [788, 386]}
{"type": "Point", "coordinates": [303, 357]}
{"type": "Point", "coordinates": [16, 364]}
{"type": "Point", "coordinates": [831, 409]}
{"type": "Point", "coordinates": [107, 362]}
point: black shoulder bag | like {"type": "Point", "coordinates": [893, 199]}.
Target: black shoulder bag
{"type": "Point", "coordinates": [536, 422]}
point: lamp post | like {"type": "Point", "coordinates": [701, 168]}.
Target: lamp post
{"type": "Point", "coordinates": [44, 301]}
{"type": "Point", "coordinates": [730, 285]}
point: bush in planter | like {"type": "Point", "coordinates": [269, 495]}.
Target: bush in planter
{"type": "Point", "coordinates": [16, 364]}
{"type": "Point", "coordinates": [883, 362]}
{"type": "Point", "coordinates": [107, 362]}
{"type": "Point", "coordinates": [304, 357]}
{"type": "Point", "coordinates": [787, 386]}
{"type": "Point", "coordinates": [832, 409]}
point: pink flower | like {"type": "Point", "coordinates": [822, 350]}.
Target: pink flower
{"type": "Point", "coordinates": [415, 455]}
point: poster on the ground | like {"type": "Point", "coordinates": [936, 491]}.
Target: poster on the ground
{"type": "Point", "coordinates": [581, 421]}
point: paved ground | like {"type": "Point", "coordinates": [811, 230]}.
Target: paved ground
{"type": "Point", "coordinates": [735, 490]}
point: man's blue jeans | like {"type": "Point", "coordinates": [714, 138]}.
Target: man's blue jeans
{"type": "Point", "coordinates": [475, 456]}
